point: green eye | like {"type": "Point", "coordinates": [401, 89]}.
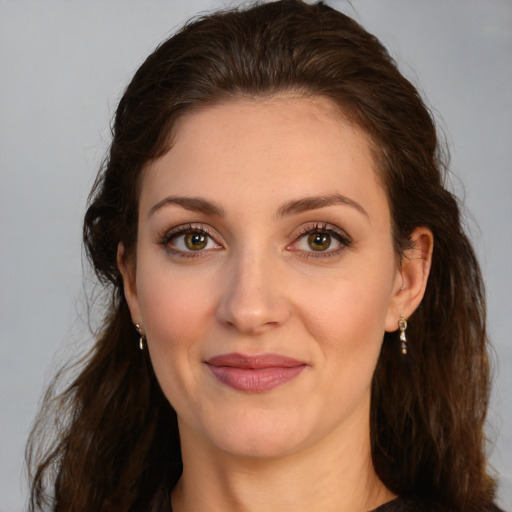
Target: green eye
{"type": "Point", "coordinates": [191, 240]}
{"type": "Point", "coordinates": [195, 241]}
{"type": "Point", "coordinates": [319, 241]}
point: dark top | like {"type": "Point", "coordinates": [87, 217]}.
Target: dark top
{"type": "Point", "coordinates": [403, 505]}
{"type": "Point", "coordinates": [396, 505]}
{"type": "Point", "coordinates": [409, 505]}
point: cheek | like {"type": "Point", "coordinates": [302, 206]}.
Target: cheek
{"type": "Point", "coordinates": [349, 332]}
{"type": "Point", "coordinates": [347, 315]}
{"type": "Point", "coordinates": [177, 312]}
{"type": "Point", "coordinates": [349, 335]}
{"type": "Point", "coordinates": [172, 301]}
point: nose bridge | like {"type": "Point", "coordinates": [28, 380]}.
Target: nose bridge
{"type": "Point", "coordinates": [252, 299]}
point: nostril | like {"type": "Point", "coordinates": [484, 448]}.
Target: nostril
{"type": "Point", "coordinates": [250, 313]}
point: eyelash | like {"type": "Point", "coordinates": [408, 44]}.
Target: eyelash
{"type": "Point", "coordinates": [321, 228]}
{"type": "Point", "coordinates": [166, 239]}
{"type": "Point", "coordinates": [324, 228]}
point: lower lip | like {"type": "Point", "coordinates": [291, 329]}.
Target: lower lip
{"type": "Point", "coordinates": [255, 380]}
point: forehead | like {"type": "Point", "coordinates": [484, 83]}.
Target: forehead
{"type": "Point", "coordinates": [281, 146]}
{"type": "Point", "coordinates": [268, 117]}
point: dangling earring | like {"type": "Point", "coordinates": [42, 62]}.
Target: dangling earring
{"type": "Point", "coordinates": [402, 324]}
{"type": "Point", "coordinates": [142, 337]}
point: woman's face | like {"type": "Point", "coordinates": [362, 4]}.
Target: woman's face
{"type": "Point", "coordinates": [265, 275]}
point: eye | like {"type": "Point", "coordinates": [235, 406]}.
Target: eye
{"type": "Point", "coordinates": [186, 240]}
{"type": "Point", "coordinates": [194, 241]}
{"type": "Point", "coordinates": [320, 240]}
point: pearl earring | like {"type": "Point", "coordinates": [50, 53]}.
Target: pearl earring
{"type": "Point", "coordinates": [402, 324]}
{"type": "Point", "coordinates": [142, 336]}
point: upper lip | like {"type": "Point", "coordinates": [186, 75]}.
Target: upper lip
{"type": "Point", "coordinates": [257, 361]}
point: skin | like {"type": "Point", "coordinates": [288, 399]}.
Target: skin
{"type": "Point", "coordinates": [258, 286]}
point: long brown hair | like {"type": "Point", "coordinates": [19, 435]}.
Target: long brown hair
{"type": "Point", "coordinates": [117, 447]}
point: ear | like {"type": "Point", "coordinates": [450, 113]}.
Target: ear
{"type": "Point", "coordinates": [412, 277]}
{"type": "Point", "coordinates": [127, 269]}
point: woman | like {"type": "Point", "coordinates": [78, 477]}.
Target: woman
{"type": "Point", "coordinates": [297, 319]}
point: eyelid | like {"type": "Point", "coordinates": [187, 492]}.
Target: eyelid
{"type": "Point", "coordinates": [339, 234]}
{"type": "Point", "coordinates": [322, 227]}
{"type": "Point", "coordinates": [182, 229]}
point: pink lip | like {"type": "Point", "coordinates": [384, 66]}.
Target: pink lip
{"type": "Point", "coordinates": [254, 374]}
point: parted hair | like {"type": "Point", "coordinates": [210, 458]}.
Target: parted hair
{"type": "Point", "coordinates": [116, 444]}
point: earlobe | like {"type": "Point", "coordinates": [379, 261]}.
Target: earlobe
{"type": "Point", "coordinates": [414, 271]}
{"type": "Point", "coordinates": [127, 270]}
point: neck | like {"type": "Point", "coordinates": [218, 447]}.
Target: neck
{"type": "Point", "coordinates": [328, 476]}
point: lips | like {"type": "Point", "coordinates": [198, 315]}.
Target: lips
{"type": "Point", "coordinates": [254, 374]}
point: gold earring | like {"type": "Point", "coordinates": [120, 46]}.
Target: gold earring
{"type": "Point", "coordinates": [402, 324]}
{"type": "Point", "coordinates": [142, 336]}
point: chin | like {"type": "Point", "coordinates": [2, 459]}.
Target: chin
{"type": "Point", "coordinates": [260, 436]}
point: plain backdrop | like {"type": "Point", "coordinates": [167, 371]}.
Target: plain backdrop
{"type": "Point", "coordinates": [63, 67]}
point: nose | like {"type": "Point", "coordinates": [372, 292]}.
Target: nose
{"type": "Point", "coordinates": [254, 295]}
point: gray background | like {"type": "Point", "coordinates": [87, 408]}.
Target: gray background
{"type": "Point", "coordinates": [63, 66]}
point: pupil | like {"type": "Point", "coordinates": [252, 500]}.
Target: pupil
{"type": "Point", "coordinates": [319, 241]}
{"type": "Point", "coordinates": [195, 241]}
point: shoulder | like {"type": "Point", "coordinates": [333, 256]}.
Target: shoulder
{"type": "Point", "coordinates": [423, 505]}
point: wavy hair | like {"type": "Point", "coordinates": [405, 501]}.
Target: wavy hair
{"type": "Point", "coordinates": [117, 444]}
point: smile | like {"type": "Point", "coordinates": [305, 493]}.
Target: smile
{"type": "Point", "coordinates": [254, 374]}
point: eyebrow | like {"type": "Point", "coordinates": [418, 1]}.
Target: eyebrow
{"type": "Point", "coordinates": [201, 205]}
{"type": "Point", "coordinates": [316, 202]}
{"type": "Point", "coordinates": [194, 204]}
